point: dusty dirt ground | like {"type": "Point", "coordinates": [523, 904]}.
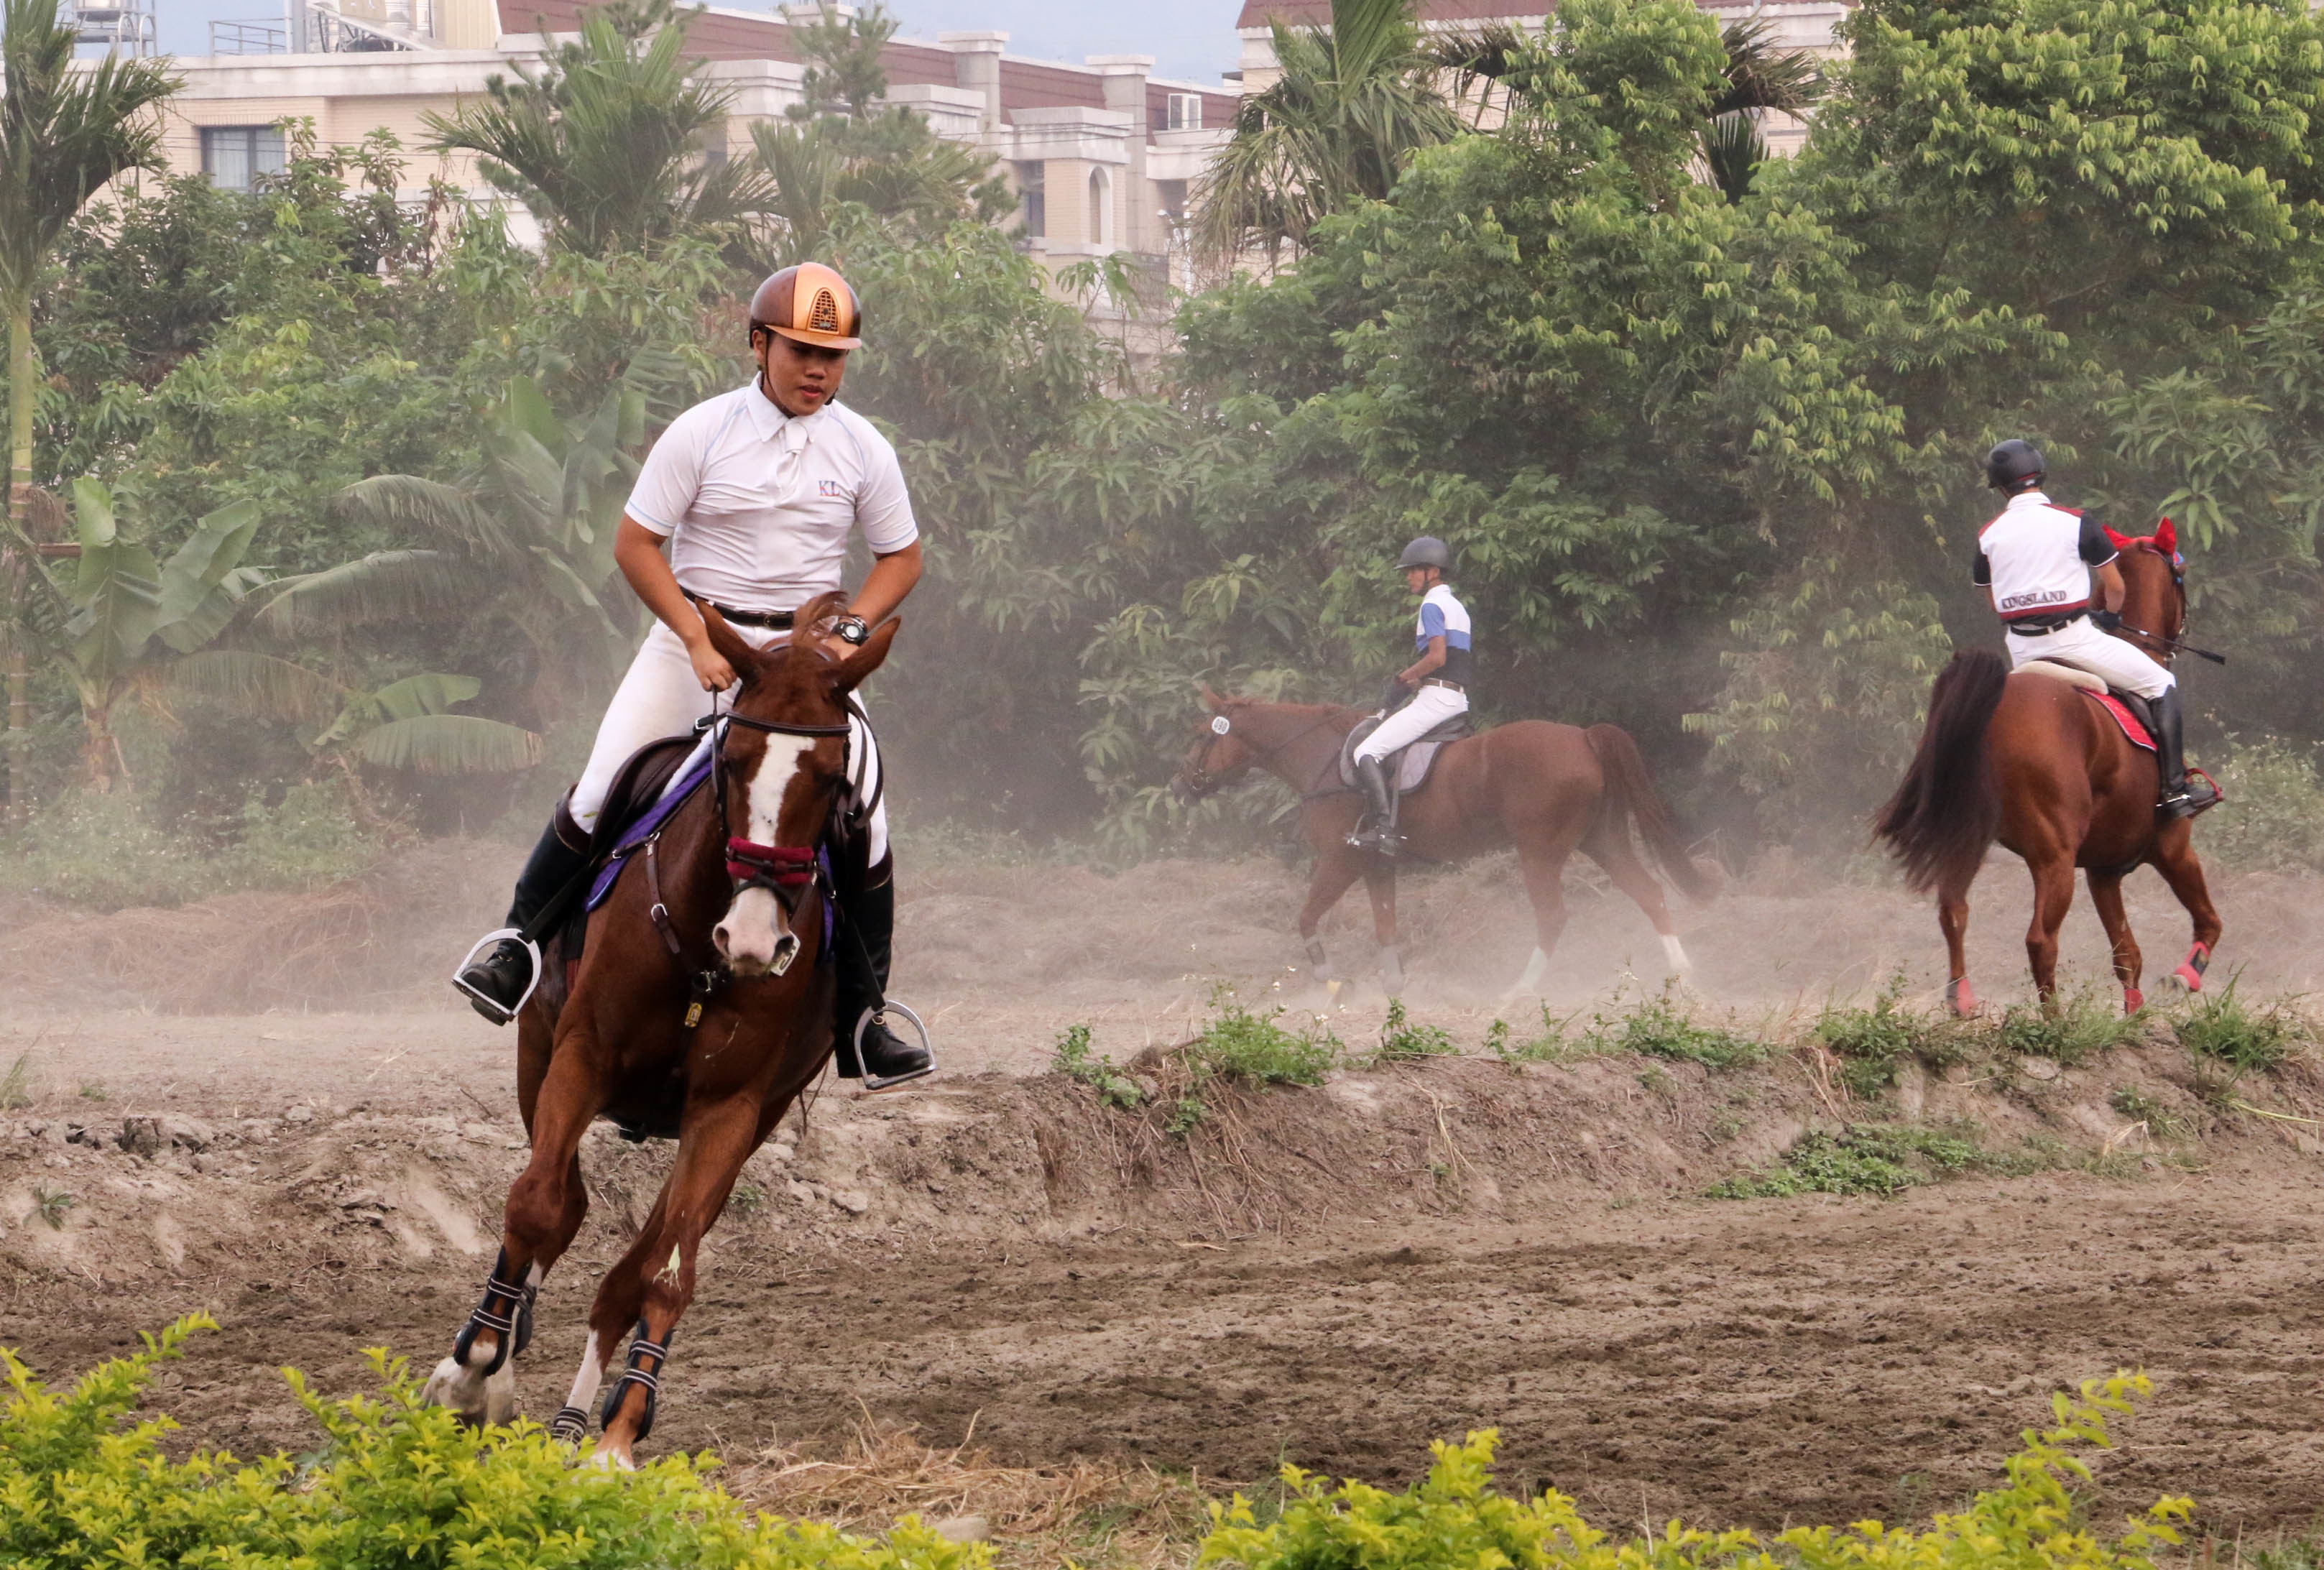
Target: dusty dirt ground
{"type": "Point", "coordinates": [1328, 1277]}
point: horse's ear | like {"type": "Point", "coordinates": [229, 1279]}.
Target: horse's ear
{"type": "Point", "coordinates": [1210, 700]}
{"type": "Point", "coordinates": [849, 672]}
{"type": "Point", "coordinates": [730, 645]}
{"type": "Point", "coordinates": [2166, 538]}
{"type": "Point", "coordinates": [2115, 537]}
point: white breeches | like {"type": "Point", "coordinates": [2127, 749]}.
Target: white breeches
{"type": "Point", "coordinates": [1430, 706]}
{"type": "Point", "coordinates": [2079, 645]}
{"type": "Point", "coordinates": [660, 698]}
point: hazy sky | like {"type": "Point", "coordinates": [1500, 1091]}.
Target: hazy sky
{"type": "Point", "coordinates": [1190, 39]}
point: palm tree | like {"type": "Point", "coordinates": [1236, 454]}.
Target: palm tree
{"type": "Point", "coordinates": [607, 142]}
{"type": "Point", "coordinates": [65, 133]}
{"type": "Point", "coordinates": [1761, 75]}
{"type": "Point", "coordinates": [1354, 102]}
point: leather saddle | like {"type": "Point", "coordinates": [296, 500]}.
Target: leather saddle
{"type": "Point", "coordinates": [1410, 766]}
{"type": "Point", "coordinates": [637, 785]}
{"type": "Point", "coordinates": [2129, 710]}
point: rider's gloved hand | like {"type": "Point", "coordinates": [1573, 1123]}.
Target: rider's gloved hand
{"type": "Point", "coordinates": [2105, 620]}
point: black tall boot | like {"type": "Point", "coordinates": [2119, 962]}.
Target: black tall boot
{"type": "Point", "coordinates": [1377, 832]}
{"type": "Point", "coordinates": [869, 914]}
{"type": "Point", "coordinates": [495, 981]}
{"type": "Point", "coordinates": [2181, 799]}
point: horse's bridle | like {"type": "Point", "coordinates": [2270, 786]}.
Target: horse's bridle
{"type": "Point", "coordinates": [784, 871]}
{"type": "Point", "coordinates": [1200, 781]}
{"type": "Point", "coordinates": [2167, 649]}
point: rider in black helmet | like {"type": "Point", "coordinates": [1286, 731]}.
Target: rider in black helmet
{"type": "Point", "coordinates": [2036, 562]}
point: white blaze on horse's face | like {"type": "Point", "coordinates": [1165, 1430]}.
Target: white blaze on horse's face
{"type": "Point", "coordinates": [754, 936]}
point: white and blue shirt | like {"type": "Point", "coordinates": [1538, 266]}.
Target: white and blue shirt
{"type": "Point", "coordinates": [1442, 615]}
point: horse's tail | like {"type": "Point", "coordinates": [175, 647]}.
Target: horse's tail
{"type": "Point", "coordinates": [1630, 795]}
{"type": "Point", "coordinates": [1948, 810]}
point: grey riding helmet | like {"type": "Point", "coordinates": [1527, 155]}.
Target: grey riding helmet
{"type": "Point", "coordinates": [1427, 551]}
{"type": "Point", "coordinates": [2013, 462]}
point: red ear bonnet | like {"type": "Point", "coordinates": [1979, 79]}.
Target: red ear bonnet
{"type": "Point", "coordinates": [2121, 541]}
{"type": "Point", "coordinates": [2166, 538]}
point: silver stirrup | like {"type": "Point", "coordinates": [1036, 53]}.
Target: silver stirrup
{"type": "Point", "coordinates": [492, 1006]}
{"type": "Point", "coordinates": [920, 1027]}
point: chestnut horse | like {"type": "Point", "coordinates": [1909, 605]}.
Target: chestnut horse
{"type": "Point", "coordinates": [2026, 758]}
{"type": "Point", "coordinates": [1548, 789]}
{"type": "Point", "coordinates": [735, 876]}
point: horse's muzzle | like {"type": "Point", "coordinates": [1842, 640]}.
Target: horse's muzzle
{"type": "Point", "coordinates": [753, 946]}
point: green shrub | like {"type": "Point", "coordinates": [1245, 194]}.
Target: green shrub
{"type": "Point", "coordinates": [105, 851]}
{"type": "Point", "coordinates": [1075, 1060]}
{"type": "Point", "coordinates": [2275, 817]}
{"type": "Point", "coordinates": [1400, 1039]}
{"type": "Point", "coordinates": [2071, 1029]}
{"type": "Point", "coordinates": [1455, 1519]}
{"type": "Point", "coordinates": [393, 1483]}
{"type": "Point", "coordinates": [1661, 1028]}
{"type": "Point", "coordinates": [2224, 1033]}
{"type": "Point", "coordinates": [1873, 1043]}
{"type": "Point", "coordinates": [1880, 1159]}
{"type": "Point", "coordinates": [1238, 1044]}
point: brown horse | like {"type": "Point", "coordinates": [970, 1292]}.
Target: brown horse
{"type": "Point", "coordinates": [2027, 758]}
{"type": "Point", "coordinates": [728, 912]}
{"type": "Point", "coordinates": [1548, 789]}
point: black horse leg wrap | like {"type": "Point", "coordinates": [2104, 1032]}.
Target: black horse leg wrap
{"type": "Point", "coordinates": [641, 1352]}
{"type": "Point", "coordinates": [569, 1425]}
{"type": "Point", "coordinates": [505, 1310]}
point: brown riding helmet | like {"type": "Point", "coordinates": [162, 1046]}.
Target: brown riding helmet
{"type": "Point", "coordinates": [809, 304]}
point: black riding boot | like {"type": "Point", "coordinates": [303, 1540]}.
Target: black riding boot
{"type": "Point", "coordinates": [494, 981]}
{"type": "Point", "coordinates": [1377, 832]}
{"type": "Point", "coordinates": [2180, 797]}
{"type": "Point", "coordinates": [887, 1058]}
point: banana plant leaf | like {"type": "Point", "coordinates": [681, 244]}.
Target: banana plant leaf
{"type": "Point", "coordinates": [200, 567]}
{"type": "Point", "coordinates": [449, 743]}
{"type": "Point", "coordinates": [258, 686]}
{"type": "Point", "coordinates": [387, 585]}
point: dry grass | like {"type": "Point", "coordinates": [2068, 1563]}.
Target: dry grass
{"type": "Point", "coordinates": [234, 952]}
{"type": "Point", "coordinates": [1087, 1512]}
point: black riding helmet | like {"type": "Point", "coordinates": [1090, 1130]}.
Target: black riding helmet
{"type": "Point", "coordinates": [2009, 465]}
{"type": "Point", "coordinates": [1427, 551]}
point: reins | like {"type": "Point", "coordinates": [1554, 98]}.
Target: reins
{"type": "Point", "coordinates": [1203, 783]}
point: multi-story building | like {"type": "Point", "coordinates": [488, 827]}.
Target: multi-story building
{"type": "Point", "coordinates": [1102, 153]}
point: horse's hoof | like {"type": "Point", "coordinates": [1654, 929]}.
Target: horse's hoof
{"type": "Point", "coordinates": [460, 1389]}
{"type": "Point", "coordinates": [611, 1458]}
{"type": "Point", "coordinates": [1961, 999]}
{"type": "Point", "coordinates": [500, 1396]}
{"type": "Point", "coordinates": [2133, 999]}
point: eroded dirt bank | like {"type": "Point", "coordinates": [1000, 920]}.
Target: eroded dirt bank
{"type": "Point", "coordinates": [1330, 1277]}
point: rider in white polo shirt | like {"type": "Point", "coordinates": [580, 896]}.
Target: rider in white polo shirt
{"type": "Point", "coordinates": [756, 491]}
{"type": "Point", "coordinates": [2036, 562]}
{"type": "Point", "coordinates": [1438, 678]}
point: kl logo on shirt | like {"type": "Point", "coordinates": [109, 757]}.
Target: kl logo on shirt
{"type": "Point", "coordinates": [830, 488]}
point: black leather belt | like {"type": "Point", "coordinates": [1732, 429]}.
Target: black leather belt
{"type": "Point", "coordinates": [1439, 681]}
{"type": "Point", "coordinates": [779, 621]}
{"type": "Point", "coordinates": [2033, 626]}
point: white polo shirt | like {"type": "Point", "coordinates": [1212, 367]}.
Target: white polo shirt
{"type": "Point", "coordinates": [2036, 558]}
{"type": "Point", "coordinates": [758, 504]}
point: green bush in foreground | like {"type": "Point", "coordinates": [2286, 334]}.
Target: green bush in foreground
{"type": "Point", "coordinates": [1661, 1027]}
{"type": "Point", "coordinates": [1457, 1520]}
{"type": "Point", "coordinates": [1880, 1159]}
{"type": "Point", "coordinates": [400, 1485]}
{"type": "Point", "coordinates": [396, 1484]}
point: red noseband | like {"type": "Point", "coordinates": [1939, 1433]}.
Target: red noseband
{"type": "Point", "coordinates": [787, 866]}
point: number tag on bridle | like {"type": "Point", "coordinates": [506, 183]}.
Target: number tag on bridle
{"type": "Point", "coordinates": [1218, 726]}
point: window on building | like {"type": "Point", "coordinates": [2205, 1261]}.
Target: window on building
{"type": "Point", "coordinates": [1186, 112]}
{"type": "Point", "coordinates": [1033, 186]}
{"type": "Point", "coordinates": [234, 156]}
{"type": "Point", "coordinates": [1100, 231]}
{"type": "Point", "coordinates": [1174, 197]}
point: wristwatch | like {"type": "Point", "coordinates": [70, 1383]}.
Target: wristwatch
{"type": "Point", "coordinates": [852, 629]}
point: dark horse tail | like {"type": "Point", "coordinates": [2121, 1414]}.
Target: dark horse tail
{"type": "Point", "coordinates": [1631, 794]}
{"type": "Point", "coordinates": [1948, 810]}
